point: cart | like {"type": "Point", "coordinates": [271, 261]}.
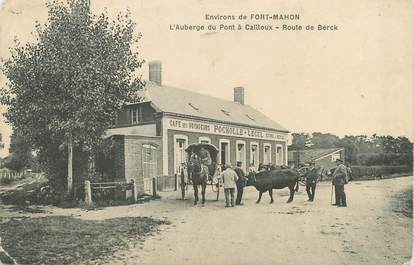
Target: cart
{"type": "Point", "coordinates": [212, 181]}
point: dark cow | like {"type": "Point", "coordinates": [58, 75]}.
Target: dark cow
{"type": "Point", "coordinates": [274, 179]}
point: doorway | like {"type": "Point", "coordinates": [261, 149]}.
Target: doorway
{"type": "Point", "coordinates": [224, 152]}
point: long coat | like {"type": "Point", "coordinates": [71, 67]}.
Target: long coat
{"type": "Point", "coordinates": [312, 176]}
{"type": "Point", "coordinates": [241, 181]}
{"type": "Point", "coordinates": [229, 177]}
{"type": "Point", "coordinates": [340, 175]}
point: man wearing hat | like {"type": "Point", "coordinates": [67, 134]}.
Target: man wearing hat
{"type": "Point", "coordinates": [339, 179]}
{"type": "Point", "coordinates": [229, 178]}
{"type": "Point", "coordinates": [240, 183]}
{"type": "Point", "coordinates": [311, 179]}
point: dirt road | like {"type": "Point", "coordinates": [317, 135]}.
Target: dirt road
{"type": "Point", "coordinates": [367, 232]}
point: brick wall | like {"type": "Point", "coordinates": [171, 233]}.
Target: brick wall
{"type": "Point", "coordinates": [133, 158]}
{"type": "Point", "coordinates": [127, 155]}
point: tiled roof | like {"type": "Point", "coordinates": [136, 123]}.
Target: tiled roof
{"type": "Point", "coordinates": [308, 155]}
{"type": "Point", "coordinates": [186, 102]}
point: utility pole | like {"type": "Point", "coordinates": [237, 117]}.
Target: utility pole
{"type": "Point", "coordinates": [70, 167]}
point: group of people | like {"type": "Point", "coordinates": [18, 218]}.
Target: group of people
{"type": "Point", "coordinates": [340, 176]}
{"type": "Point", "coordinates": [234, 179]}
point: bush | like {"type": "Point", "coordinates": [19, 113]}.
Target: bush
{"type": "Point", "coordinates": [379, 171]}
{"type": "Point", "coordinates": [391, 159]}
{"type": "Point", "coordinates": [36, 193]}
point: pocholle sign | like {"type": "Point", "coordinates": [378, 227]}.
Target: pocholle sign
{"type": "Point", "coordinates": [222, 129]}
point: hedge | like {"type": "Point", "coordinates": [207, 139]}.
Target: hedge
{"type": "Point", "coordinates": [379, 171]}
{"type": "Point", "coordinates": [389, 159]}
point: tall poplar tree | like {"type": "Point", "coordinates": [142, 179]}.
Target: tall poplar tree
{"type": "Point", "coordinates": [65, 88]}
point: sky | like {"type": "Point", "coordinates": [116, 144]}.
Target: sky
{"type": "Point", "coordinates": [356, 80]}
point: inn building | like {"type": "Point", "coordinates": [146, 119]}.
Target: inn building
{"type": "Point", "coordinates": [151, 136]}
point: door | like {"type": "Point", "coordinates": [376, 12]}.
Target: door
{"type": "Point", "coordinates": [254, 155]}
{"type": "Point", "coordinates": [149, 165]}
{"type": "Point", "coordinates": [279, 155]}
{"type": "Point", "coordinates": [224, 152]}
{"type": "Point", "coordinates": [267, 159]}
{"type": "Point", "coordinates": [241, 155]}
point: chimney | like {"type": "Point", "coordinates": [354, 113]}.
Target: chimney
{"type": "Point", "coordinates": [239, 95]}
{"type": "Point", "coordinates": [155, 72]}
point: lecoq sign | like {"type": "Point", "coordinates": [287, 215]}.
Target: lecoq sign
{"type": "Point", "coordinates": [219, 129]}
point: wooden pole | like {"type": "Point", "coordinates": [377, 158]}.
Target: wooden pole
{"type": "Point", "coordinates": [70, 167]}
{"type": "Point", "coordinates": [134, 190]}
{"type": "Point", "coordinates": [88, 193]}
{"type": "Point", "coordinates": [154, 187]}
{"type": "Point", "coordinates": [182, 184]}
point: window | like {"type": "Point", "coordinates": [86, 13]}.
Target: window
{"type": "Point", "coordinates": [204, 140]}
{"type": "Point", "coordinates": [224, 151]}
{"type": "Point", "coordinates": [225, 112]}
{"type": "Point", "coordinates": [241, 153]}
{"type": "Point", "coordinates": [254, 154]}
{"type": "Point", "coordinates": [267, 154]}
{"type": "Point", "coordinates": [279, 155]}
{"type": "Point", "coordinates": [149, 165]}
{"type": "Point", "coordinates": [137, 115]}
{"type": "Point", "coordinates": [335, 157]}
{"type": "Point", "coordinates": [247, 115]}
{"type": "Point", "coordinates": [193, 106]}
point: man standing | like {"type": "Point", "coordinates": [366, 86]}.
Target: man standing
{"type": "Point", "coordinates": [241, 182]}
{"type": "Point", "coordinates": [229, 178]}
{"type": "Point", "coordinates": [339, 179]}
{"type": "Point", "coordinates": [311, 179]}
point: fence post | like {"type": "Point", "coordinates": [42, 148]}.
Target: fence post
{"type": "Point", "coordinates": [164, 183]}
{"type": "Point", "coordinates": [154, 187]}
{"type": "Point", "coordinates": [175, 182]}
{"type": "Point", "coordinates": [134, 190]}
{"type": "Point", "coordinates": [88, 193]}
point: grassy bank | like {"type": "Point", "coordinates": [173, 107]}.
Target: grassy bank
{"type": "Point", "coordinates": [68, 240]}
{"type": "Point", "coordinates": [403, 202]}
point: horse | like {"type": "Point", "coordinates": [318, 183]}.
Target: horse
{"type": "Point", "coordinates": [199, 176]}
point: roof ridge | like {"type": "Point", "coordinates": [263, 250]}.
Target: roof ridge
{"type": "Point", "coordinates": [177, 100]}
{"type": "Point", "coordinates": [201, 94]}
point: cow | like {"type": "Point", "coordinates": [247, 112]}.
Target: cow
{"type": "Point", "coordinates": [274, 179]}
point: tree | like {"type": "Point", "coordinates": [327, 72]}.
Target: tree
{"type": "Point", "coordinates": [20, 151]}
{"type": "Point", "coordinates": [324, 140]}
{"type": "Point", "coordinates": [299, 141]}
{"type": "Point", "coordinates": [66, 87]}
{"type": "Point", "coordinates": [349, 143]}
{"type": "Point", "coordinates": [1, 141]}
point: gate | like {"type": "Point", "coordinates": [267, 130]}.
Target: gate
{"type": "Point", "coordinates": [149, 166]}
